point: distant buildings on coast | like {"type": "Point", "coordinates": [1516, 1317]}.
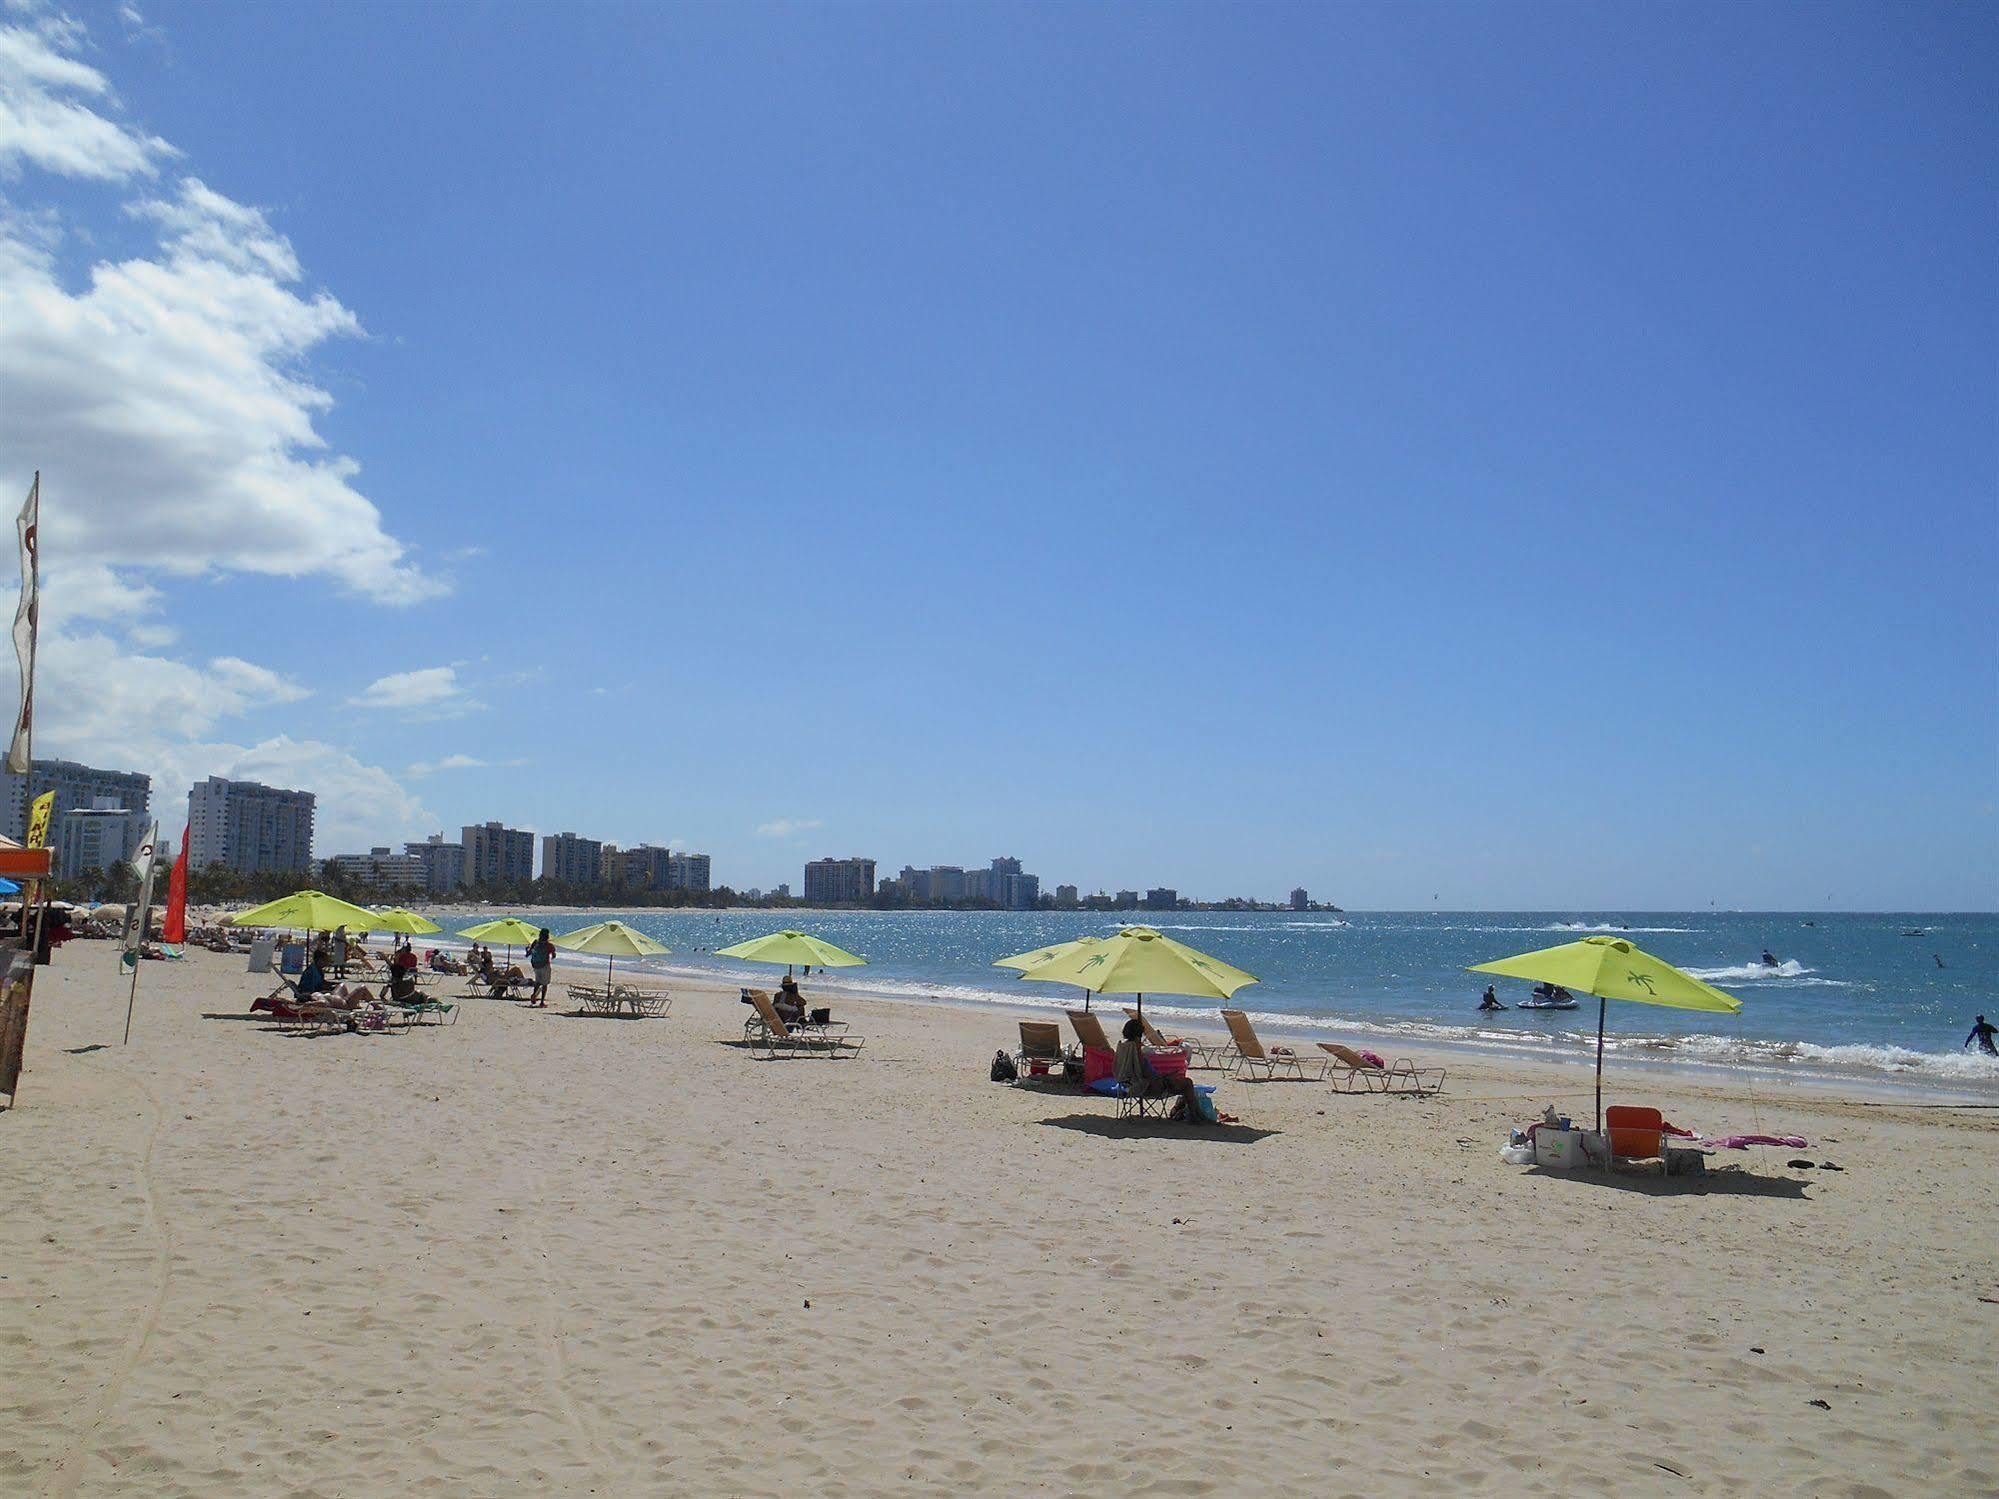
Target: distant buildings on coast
{"type": "Point", "coordinates": [249, 829]}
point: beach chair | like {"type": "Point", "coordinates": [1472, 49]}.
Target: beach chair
{"type": "Point", "coordinates": [416, 1010]}
{"type": "Point", "coordinates": [1250, 1054]}
{"type": "Point", "coordinates": [1634, 1133]}
{"type": "Point", "coordinates": [1354, 1073]}
{"type": "Point", "coordinates": [1199, 1053]}
{"type": "Point", "coordinates": [1089, 1030]}
{"type": "Point", "coordinates": [1040, 1050]}
{"type": "Point", "coordinates": [774, 1036]}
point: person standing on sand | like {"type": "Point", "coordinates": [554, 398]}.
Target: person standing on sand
{"type": "Point", "coordinates": [1982, 1032]}
{"type": "Point", "coordinates": [541, 958]}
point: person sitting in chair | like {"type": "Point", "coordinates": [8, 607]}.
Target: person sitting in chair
{"type": "Point", "coordinates": [1134, 1069]}
{"type": "Point", "coordinates": [790, 1004]}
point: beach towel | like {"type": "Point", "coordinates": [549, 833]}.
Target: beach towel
{"type": "Point", "coordinates": [1743, 1142]}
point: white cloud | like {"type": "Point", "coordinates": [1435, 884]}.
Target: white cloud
{"type": "Point", "coordinates": [450, 762]}
{"type": "Point", "coordinates": [430, 692]}
{"type": "Point", "coordinates": [786, 827]}
{"type": "Point", "coordinates": [42, 124]}
{"type": "Point", "coordinates": [165, 395]}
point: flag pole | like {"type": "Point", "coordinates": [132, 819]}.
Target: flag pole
{"type": "Point", "coordinates": [21, 760]}
{"type": "Point", "coordinates": [131, 999]}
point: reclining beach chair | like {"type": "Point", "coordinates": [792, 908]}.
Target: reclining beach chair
{"type": "Point", "coordinates": [1041, 1050]}
{"type": "Point", "coordinates": [767, 1029]}
{"type": "Point", "coordinates": [1089, 1030]}
{"type": "Point", "coordinates": [1250, 1054]}
{"type": "Point", "coordinates": [1354, 1073]}
{"type": "Point", "coordinates": [1199, 1053]}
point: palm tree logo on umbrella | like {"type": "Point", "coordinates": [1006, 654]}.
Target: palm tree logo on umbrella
{"type": "Point", "coordinates": [1642, 980]}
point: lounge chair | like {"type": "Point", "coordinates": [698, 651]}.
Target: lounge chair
{"type": "Point", "coordinates": [1250, 1053]}
{"type": "Point", "coordinates": [1089, 1030]}
{"type": "Point", "coordinates": [1041, 1049]}
{"type": "Point", "coordinates": [1354, 1073]}
{"type": "Point", "coordinates": [769, 1031]}
{"type": "Point", "coordinates": [439, 1012]}
{"type": "Point", "coordinates": [1199, 1053]}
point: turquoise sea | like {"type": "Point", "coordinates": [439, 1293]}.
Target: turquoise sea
{"type": "Point", "coordinates": [1854, 996]}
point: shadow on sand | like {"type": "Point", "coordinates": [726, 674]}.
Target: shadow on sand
{"type": "Point", "coordinates": [1110, 1128]}
{"type": "Point", "coordinates": [1708, 1184]}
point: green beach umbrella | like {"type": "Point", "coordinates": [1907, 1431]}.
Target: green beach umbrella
{"type": "Point", "coordinates": [614, 940]}
{"type": "Point", "coordinates": [1612, 968]}
{"type": "Point", "coordinates": [1142, 961]}
{"type": "Point", "coordinates": [396, 919]}
{"type": "Point", "coordinates": [509, 930]}
{"type": "Point", "coordinates": [307, 910]}
{"type": "Point", "coordinates": [792, 948]}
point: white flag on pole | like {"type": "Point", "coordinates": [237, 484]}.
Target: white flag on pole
{"type": "Point", "coordinates": [138, 915]}
{"type": "Point", "coordinates": [26, 620]}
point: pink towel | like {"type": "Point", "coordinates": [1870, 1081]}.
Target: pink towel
{"type": "Point", "coordinates": [1743, 1142]}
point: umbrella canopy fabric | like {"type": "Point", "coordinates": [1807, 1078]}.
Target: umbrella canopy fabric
{"type": "Point", "coordinates": [614, 940]}
{"type": "Point", "coordinates": [509, 931]}
{"type": "Point", "coordinates": [307, 910]}
{"type": "Point", "coordinates": [1142, 961]}
{"type": "Point", "coordinates": [792, 948]}
{"type": "Point", "coordinates": [1022, 961]}
{"type": "Point", "coordinates": [1612, 968]}
{"type": "Point", "coordinates": [396, 919]}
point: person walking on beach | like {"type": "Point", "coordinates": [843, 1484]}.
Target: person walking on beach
{"type": "Point", "coordinates": [1982, 1032]}
{"type": "Point", "coordinates": [541, 958]}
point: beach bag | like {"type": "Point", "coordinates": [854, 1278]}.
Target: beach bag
{"type": "Point", "coordinates": [1003, 1069]}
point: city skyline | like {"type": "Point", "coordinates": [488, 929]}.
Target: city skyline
{"type": "Point", "coordinates": [1529, 503]}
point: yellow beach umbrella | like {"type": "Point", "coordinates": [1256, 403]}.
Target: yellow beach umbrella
{"type": "Point", "coordinates": [1020, 962]}
{"type": "Point", "coordinates": [613, 939]}
{"type": "Point", "coordinates": [509, 930]}
{"type": "Point", "coordinates": [307, 910]}
{"type": "Point", "coordinates": [792, 948]}
{"type": "Point", "coordinates": [1142, 961]}
{"type": "Point", "coordinates": [396, 919]}
{"type": "Point", "coordinates": [1612, 968]}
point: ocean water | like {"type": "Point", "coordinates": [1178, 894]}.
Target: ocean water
{"type": "Point", "coordinates": [1853, 997]}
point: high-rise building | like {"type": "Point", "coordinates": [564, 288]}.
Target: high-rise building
{"type": "Point", "coordinates": [1066, 897]}
{"type": "Point", "coordinates": [380, 869]}
{"type": "Point", "coordinates": [97, 837]}
{"type": "Point", "coordinates": [443, 863]}
{"type": "Point", "coordinates": [498, 855]}
{"type": "Point", "coordinates": [840, 880]}
{"type": "Point", "coordinates": [249, 827]}
{"type": "Point", "coordinates": [75, 785]}
{"type": "Point", "coordinates": [1127, 900]}
{"type": "Point", "coordinates": [1300, 901]}
{"type": "Point", "coordinates": [572, 860]}
{"type": "Point", "coordinates": [687, 872]}
{"type": "Point", "coordinates": [1162, 899]}
{"type": "Point", "coordinates": [1018, 892]}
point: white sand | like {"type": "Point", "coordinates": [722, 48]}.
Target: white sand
{"type": "Point", "coordinates": [537, 1254]}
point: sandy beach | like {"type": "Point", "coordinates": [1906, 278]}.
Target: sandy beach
{"type": "Point", "coordinates": [540, 1253]}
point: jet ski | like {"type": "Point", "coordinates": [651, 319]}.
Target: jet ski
{"type": "Point", "coordinates": [1547, 999]}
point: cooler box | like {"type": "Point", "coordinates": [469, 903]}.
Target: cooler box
{"type": "Point", "coordinates": [1168, 1063]}
{"type": "Point", "coordinates": [1558, 1149]}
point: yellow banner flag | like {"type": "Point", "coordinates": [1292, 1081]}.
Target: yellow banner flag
{"type": "Point", "coordinates": [38, 819]}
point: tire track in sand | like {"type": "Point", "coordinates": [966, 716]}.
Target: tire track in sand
{"type": "Point", "coordinates": [69, 1466]}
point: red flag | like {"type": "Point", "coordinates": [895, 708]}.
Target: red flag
{"type": "Point", "coordinates": [175, 932]}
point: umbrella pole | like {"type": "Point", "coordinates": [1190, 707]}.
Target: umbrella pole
{"type": "Point", "coordinates": [1602, 1004]}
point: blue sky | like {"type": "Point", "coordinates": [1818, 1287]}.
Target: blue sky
{"type": "Point", "coordinates": [1515, 456]}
